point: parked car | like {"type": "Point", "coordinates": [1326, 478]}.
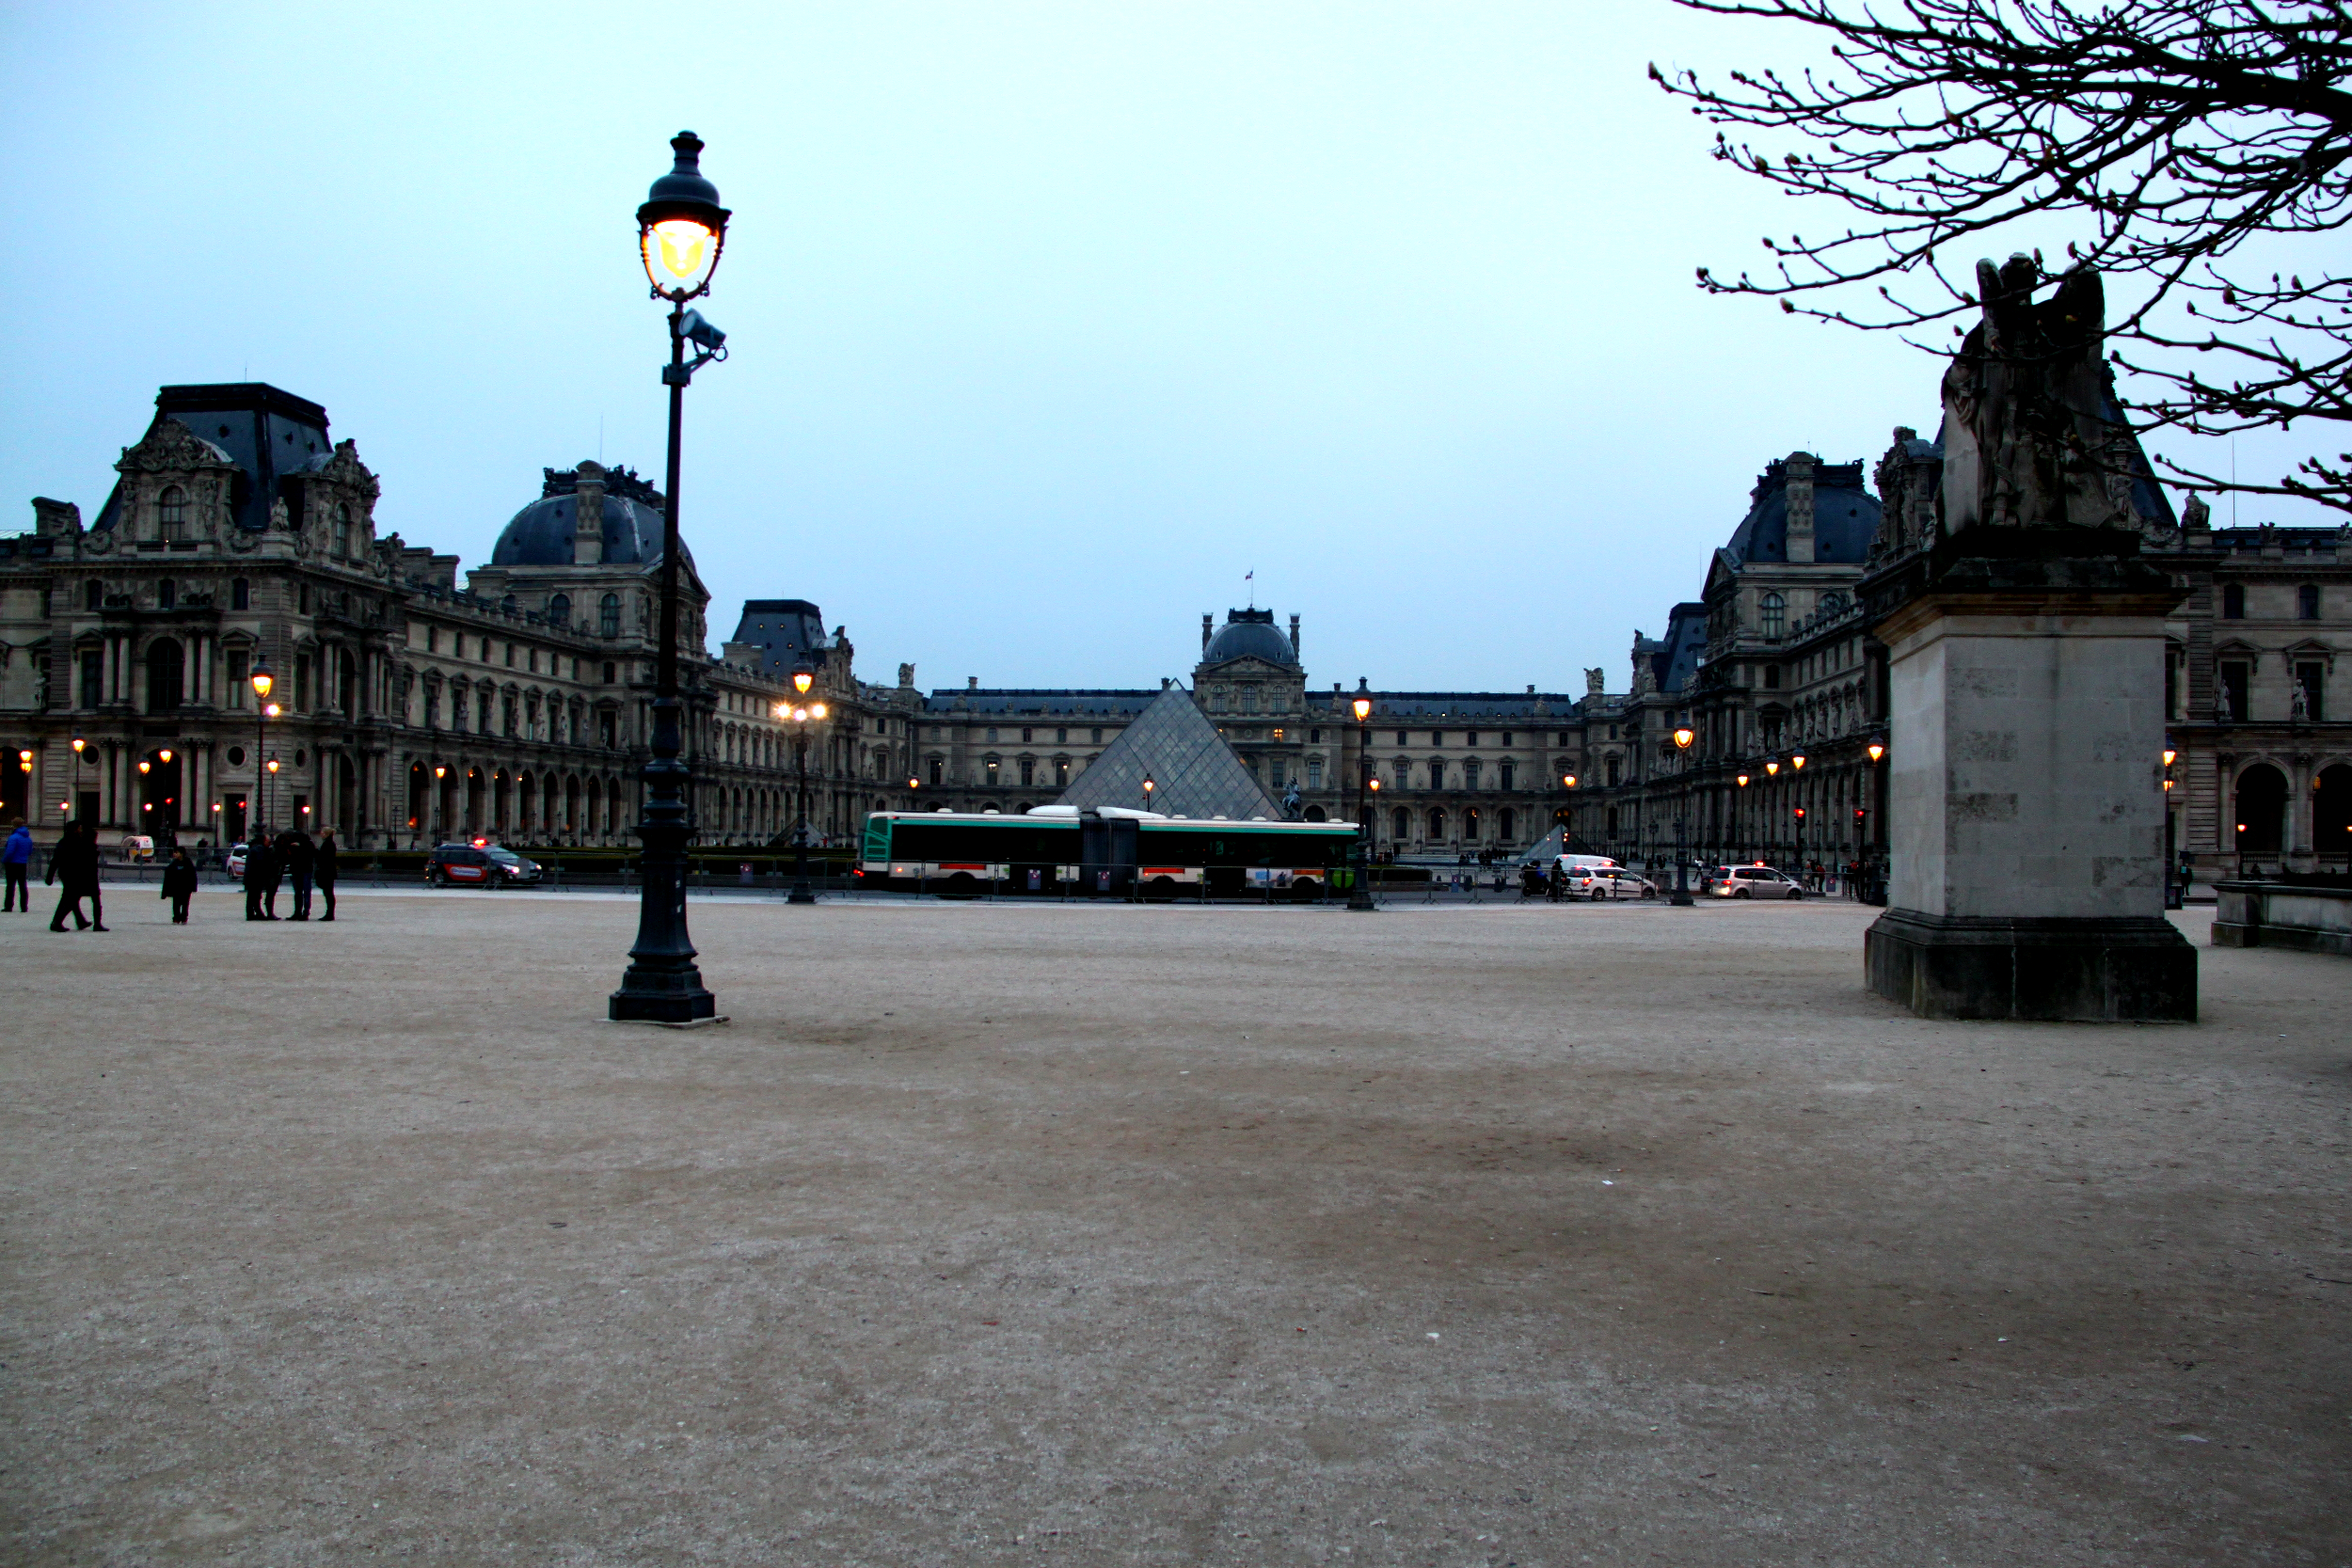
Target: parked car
{"type": "Point", "coordinates": [1753, 881]}
{"type": "Point", "coordinates": [1586, 881]}
{"type": "Point", "coordinates": [1627, 884]}
{"type": "Point", "coordinates": [235, 862]}
{"type": "Point", "coordinates": [137, 849]}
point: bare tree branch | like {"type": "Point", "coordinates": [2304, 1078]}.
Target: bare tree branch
{"type": "Point", "coordinates": [2170, 135]}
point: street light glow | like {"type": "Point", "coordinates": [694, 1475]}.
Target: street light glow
{"type": "Point", "coordinates": [1363, 708]}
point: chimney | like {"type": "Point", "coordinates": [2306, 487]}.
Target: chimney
{"type": "Point", "coordinates": [1801, 466]}
{"type": "Point", "coordinates": [1293, 637]}
{"type": "Point", "coordinates": [1531, 689]}
{"type": "Point", "coordinates": [56, 518]}
{"type": "Point", "coordinates": [588, 517]}
{"type": "Point", "coordinates": [1207, 622]}
{"type": "Point", "coordinates": [971, 683]}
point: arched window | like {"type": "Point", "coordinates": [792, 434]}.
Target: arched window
{"type": "Point", "coordinates": [1436, 823]}
{"type": "Point", "coordinates": [506, 604]}
{"type": "Point", "coordinates": [2262, 806]}
{"type": "Point", "coordinates": [1470, 825]}
{"type": "Point", "coordinates": [342, 531]}
{"type": "Point", "coordinates": [2233, 601]}
{"type": "Point", "coordinates": [1772, 613]}
{"type": "Point", "coordinates": [560, 609]}
{"type": "Point", "coordinates": [609, 616]}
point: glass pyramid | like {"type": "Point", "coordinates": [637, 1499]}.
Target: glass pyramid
{"type": "Point", "coordinates": [1193, 771]}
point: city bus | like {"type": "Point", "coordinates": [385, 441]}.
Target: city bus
{"type": "Point", "coordinates": [1108, 852]}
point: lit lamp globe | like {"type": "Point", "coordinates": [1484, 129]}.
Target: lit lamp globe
{"type": "Point", "coordinates": [803, 680]}
{"type": "Point", "coordinates": [1876, 749]}
{"type": "Point", "coordinates": [261, 678]}
{"type": "Point", "coordinates": [1772, 768]}
{"type": "Point", "coordinates": [681, 227]}
{"type": "Point", "coordinates": [1363, 708]}
{"type": "Point", "coordinates": [1797, 762]}
{"type": "Point", "coordinates": [1684, 734]}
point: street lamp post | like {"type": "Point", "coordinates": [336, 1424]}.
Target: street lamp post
{"type": "Point", "coordinates": [1360, 896]}
{"type": "Point", "coordinates": [262, 680]}
{"type": "Point", "coordinates": [800, 716]}
{"type": "Point", "coordinates": [1682, 899]}
{"type": "Point", "coordinates": [1796, 765]}
{"type": "Point", "coordinates": [682, 229]}
{"type": "Point", "coordinates": [1875, 872]}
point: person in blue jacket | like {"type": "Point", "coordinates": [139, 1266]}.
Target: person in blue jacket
{"type": "Point", "coordinates": [14, 857]}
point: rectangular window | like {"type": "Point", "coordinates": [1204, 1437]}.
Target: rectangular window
{"type": "Point", "coordinates": [2312, 680]}
{"type": "Point", "coordinates": [1436, 774]}
{"type": "Point", "coordinates": [1436, 737]}
{"type": "Point", "coordinates": [1470, 774]}
{"type": "Point", "coordinates": [939, 768]}
{"type": "Point", "coordinates": [1314, 772]}
{"type": "Point", "coordinates": [1509, 771]}
{"type": "Point", "coordinates": [240, 593]}
{"type": "Point", "coordinates": [2306, 602]}
{"type": "Point", "coordinates": [1771, 677]}
{"type": "Point", "coordinates": [302, 683]}
{"type": "Point", "coordinates": [1506, 740]}
{"type": "Point", "coordinates": [1098, 734]}
{"type": "Point", "coordinates": [94, 674]}
{"type": "Point", "coordinates": [1469, 737]}
{"type": "Point", "coordinates": [1403, 740]}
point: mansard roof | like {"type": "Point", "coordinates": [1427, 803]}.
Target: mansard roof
{"type": "Point", "coordinates": [1039, 702]}
{"type": "Point", "coordinates": [786, 632]}
{"type": "Point", "coordinates": [269, 435]}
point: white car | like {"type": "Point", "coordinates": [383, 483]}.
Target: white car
{"type": "Point", "coordinates": [1753, 881]}
{"type": "Point", "coordinates": [137, 849]}
{"type": "Point", "coordinates": [1627, 884]}
{"type": "Point", "coordinates": [235, 862]}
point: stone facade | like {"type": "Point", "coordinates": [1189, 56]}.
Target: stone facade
{"type": "Point", "coordinates": [411, 708]}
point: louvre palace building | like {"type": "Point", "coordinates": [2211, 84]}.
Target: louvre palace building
{"type": "Point", "coordinates": [412, 709]}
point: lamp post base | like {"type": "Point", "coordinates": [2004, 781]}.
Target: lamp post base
{"type": "Point", "coordinates": [674, 996]}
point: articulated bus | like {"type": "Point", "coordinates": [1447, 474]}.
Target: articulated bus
{"type": "Point", "coordinates": [1111, 851]}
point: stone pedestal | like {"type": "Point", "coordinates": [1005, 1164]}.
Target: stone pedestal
{"type": "Point", "coordinates": [2026, 800]}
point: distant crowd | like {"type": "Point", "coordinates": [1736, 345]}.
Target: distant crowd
{"type": "Point", "coordinates": [271, 860]}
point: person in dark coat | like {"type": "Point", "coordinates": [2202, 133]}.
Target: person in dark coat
{"type": "Point", "coordinates": [324, 868]}
{"type": "Point", "coordinates": [179, 885]}
{"type": "Point", "coordinates": [301, 855]}
{"type": "Point", "coordinates": [256, 850]}
{"type": "Point", "coordinates": [73, 866]}
{"type": "Point", "coordinates": [261, 876]}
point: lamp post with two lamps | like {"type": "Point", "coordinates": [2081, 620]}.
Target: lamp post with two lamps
{"type": "Point", "coordinates": [681, 230]}
{"type": "Point", "coordinates": [800, 716]}
{"type": "Point", "coordinates": [262, 682]}
{"type": "Point", "coordinates": [1796, 770]}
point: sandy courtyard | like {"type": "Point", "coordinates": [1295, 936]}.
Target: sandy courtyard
{"type": "Point", "coordinates": [997, 1234]}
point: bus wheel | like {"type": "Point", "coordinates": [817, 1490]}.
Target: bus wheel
{"type": "Point", "coordinates": [961, 885]}
{"type": "Point", "coordinates": [1160, 887]}
{"type": "Point", "coordinates": [1306, 889]}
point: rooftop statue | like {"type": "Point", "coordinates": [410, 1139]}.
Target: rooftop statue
{"type": "Point", "coordinates": [2033, 435]}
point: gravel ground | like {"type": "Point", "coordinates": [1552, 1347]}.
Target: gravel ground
{"type": "Point", "coordinates": [990, 1234]}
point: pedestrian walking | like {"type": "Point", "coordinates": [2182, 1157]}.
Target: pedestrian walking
{"type": "Point", "coordinates": [301, 856]}
{"type": "Point", "coordinates": [179, 885]}
{"type": "Point", "coordinates": [14, 860]}
{"type": "Point", "coordinates": [73, 866]}
{"type": "Point", "coordinates": [324, 868]}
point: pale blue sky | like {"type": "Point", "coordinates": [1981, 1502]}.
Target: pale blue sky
{"type": "Point", "coordinates": [1050, 320]}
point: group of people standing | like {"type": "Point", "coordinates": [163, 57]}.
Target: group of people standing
{"type": "Point", "coordinates": [292, 855]}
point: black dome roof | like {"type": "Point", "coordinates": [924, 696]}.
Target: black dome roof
{"type": "Point", "coordinates": [1251, 634]}
{"type": "Point", "coordinates": [541, 534]}
{"type": "Point", "coordinates": [1845, 516]}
